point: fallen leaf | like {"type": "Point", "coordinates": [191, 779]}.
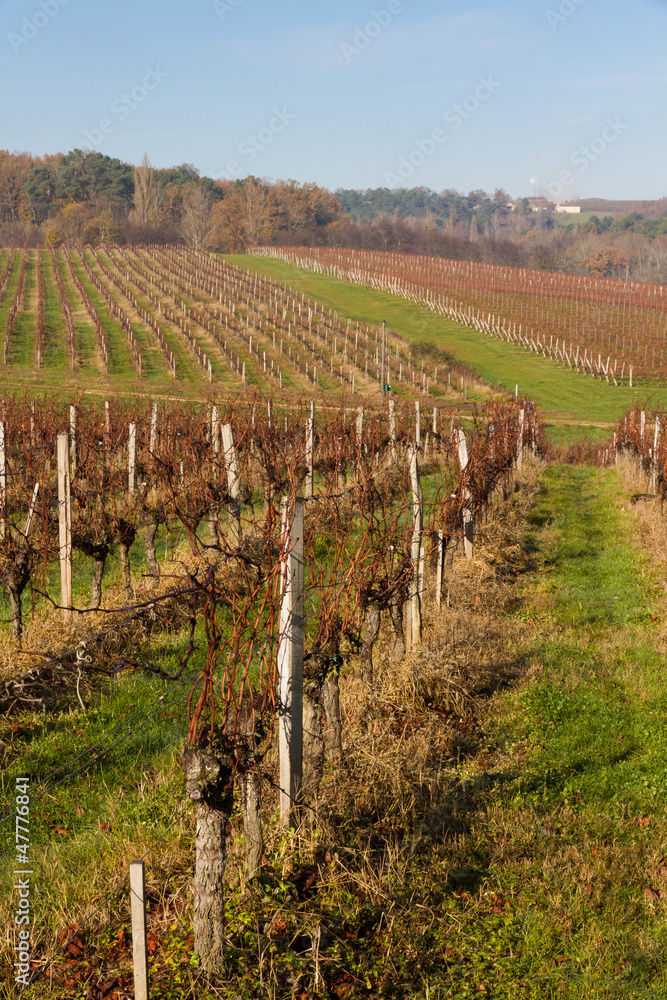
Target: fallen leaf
{"type": "Point", "coordinates": [651, 894]}
{"type": "Point", "coordinates": [152, 943]}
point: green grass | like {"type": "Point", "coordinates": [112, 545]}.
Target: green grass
{"type": "Point", "coordinates": [557, 390]}
{"type": "Point", "coordinates": [568, 434]}
{"type": "Point", "coordinates": [22, 348]}
{"type": "Point", "coordinates": [568, 815]}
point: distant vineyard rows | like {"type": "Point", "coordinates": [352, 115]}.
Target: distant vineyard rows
{"type": "Point", "coordinates": [161, 312]}
{"type": "Point", "coordinates": [602, 327]}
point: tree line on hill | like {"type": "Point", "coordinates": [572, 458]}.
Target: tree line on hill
{"type": "Point", "coordinates": [86, 197]}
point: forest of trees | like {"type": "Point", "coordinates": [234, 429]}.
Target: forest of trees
{"type": "Point", "coordinates": [86, 197]}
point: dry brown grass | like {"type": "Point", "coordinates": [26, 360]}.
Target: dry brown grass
{"type": "Point", "coordinates": [403, 738]}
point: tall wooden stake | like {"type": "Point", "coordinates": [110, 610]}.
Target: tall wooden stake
{"type": "Point", "coordinates": [153, 437]}
{"type": "Point", "coordinates": [417, 553]}
{"type": "Point", "coordinates": [290, 661]}
{"type": "Point", "coordinates": [519, 441]}
{"type": "Point", "coordinates": [310, 447]}
{"type": "Point", "coordinates": [392, 430]}
{"type": "Point", "coordinates": [3, 481]}
{"type": "Point", "coordinates": [468, 526]}
{"type": "Point", "coordinates": [233, 485]}
{"type": "Point", "coordinates": [131, 458]}
{"type": "Point", "coordinates": [72, 441]}
{"type": "Point", "coordinates": [440, 568]}
{"type": "Point", "coordinates": [65, 526]}
{"type": "Point", "coordinates": [384, 350]}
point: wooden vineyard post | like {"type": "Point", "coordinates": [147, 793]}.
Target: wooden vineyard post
{"type": "Point", "coordinates": [72, 441]}
{"type": "Point", "coordinates": [132, 458]}
{"type": "Point", "coordinates": [107, 431]}
{"type": "Point", "coordinates": [310, 446]}
{"type": "Point", "coordinates": [468, 527]}
{"type": "Point", "coordinates": [233, 485]}
{"type": "Point", "coordinates": [440, 568]}
{"type": "Point", "coordinates": [418, 425]}
{"type": "Point", "coordinates": [290, 661]}
{"type": "Point", "coordinates": [65, 526]}
{"type": "Point", "coordinates": [215, 431]}
{"type": "Point", "coordinates": [435, 429]}
{"type": "Point", "coordinates": [656, 446]}
{"type": "Point", "coordinates": [392, 430]}
{"type": "Point", "coordinates": [519, 441]}
{"type": "Point", "coordinates": [414, 630]}
{"type": "Point", "coordinates": [3, 480]}
{"type": "Point", "coordinates": [31, 511]}
{"type": "Point", "coordinates": [359, 438]}
{"type": "Point", "coordinates": [153, 437]}
{"type": "Point", "coordinates": [384, 352]}
{"type": "Point", "coordinates": [139, 937]}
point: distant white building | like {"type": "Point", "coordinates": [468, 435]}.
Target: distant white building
{"type": "Point", "coordinates": [540, 204]}
{"type": "Point", "coordinates": [572, 209]}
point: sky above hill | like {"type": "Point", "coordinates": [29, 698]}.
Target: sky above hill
{"type": "Point", "coordinates": [557, 97]}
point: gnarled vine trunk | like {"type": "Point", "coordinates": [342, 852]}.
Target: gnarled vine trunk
{"type": "Point", "coordinates": [208, 782]}
{"type": "Point", "coordinates": [151, 526]}
{"type": "Point", "coordinates": [369, 633]}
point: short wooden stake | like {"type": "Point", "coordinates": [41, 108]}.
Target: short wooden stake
{"type": "Point", "coordinates": [139, 936]}
{"type": "Point", "coordinates": [31, 511]}
{"type": "Point", "coordinates": [290, 661]}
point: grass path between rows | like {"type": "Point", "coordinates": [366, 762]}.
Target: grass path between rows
{"type": "Point", "coordinates": [567, 802]}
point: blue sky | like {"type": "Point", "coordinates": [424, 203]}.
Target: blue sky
{"type": "Point", "coordinates": [560, 96]}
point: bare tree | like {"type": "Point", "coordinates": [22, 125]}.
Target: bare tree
{"type": "Point", "coordinates": [196, 223]}
{"type": "Point", "coordinates": [146, 202]}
